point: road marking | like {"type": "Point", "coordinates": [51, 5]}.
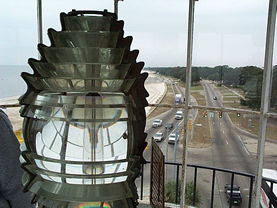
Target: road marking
{"type": "Point", "coordinates": [246, 150]}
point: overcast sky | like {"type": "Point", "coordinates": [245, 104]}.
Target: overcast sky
{"type": "Point", "coordinates": [226, 31]}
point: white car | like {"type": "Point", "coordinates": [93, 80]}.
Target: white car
{"type": "Point", "coordinates": [158, 137]}
{"type": "Point", "coordinates": [179, 115]}
{"type": "Point", "coordinates": [157, 123]}
{"type": "Point", "coordinates": [172, 137]}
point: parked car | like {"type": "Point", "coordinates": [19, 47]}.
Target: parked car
{"type": "Point", "coordinates": [215, 98]}
{"type": "Point", "coordinates": [157, 123]}
{"type": "Point", "coordinates": [236, 195]}
{"type": "Point", "coordinates": [158, 137]}
{"type": "Point", "coordinates": [172, 138]}
{"type": "Point", "coordinates": [179, 115]}
{"type": "Point", "coordinates": [169, 125]}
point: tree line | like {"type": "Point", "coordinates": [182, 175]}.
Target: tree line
{"type": "Point", "coordinates": [248, 78]}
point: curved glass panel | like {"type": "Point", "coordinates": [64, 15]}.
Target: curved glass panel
{"type": "Point", "coordinates": [81, 141]}
{"type": "Point", "coordinates": [87, 23]}
{"type": "Point", "coordinates": [76, 113]}
{"type": "Point", "coordinates": [84, 55]}
{"type": "Point", "coordinates": [81, 71]}
{"type": "Point", "coordinates": [101, 136]}
{"type": "Point", "coordinates": [100, 39]}
{"type": "Point", "coordinates": [76, 99]}
{"type": "Point", "coordinates": [77, 85]}
{"type": "Point", "coordinates": [83, 169]}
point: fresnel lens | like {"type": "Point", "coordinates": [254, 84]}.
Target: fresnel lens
{"type": "Point", "coordinates": [84, 116]}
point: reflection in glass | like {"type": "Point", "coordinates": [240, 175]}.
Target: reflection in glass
{"type": "Point", "coordinates": [91, 135]}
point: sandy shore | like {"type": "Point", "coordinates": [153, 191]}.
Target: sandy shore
{"type": "Point", "coordinates": [13, 113]}
{"type": "Point", "coordinates": [156, 92]}
{"type": "Point", "coordinates": [9, 100]}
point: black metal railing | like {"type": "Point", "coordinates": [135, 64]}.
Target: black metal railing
{"type": "Point", "coordinates": [268, 190]}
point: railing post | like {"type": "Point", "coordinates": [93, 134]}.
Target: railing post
{"type": "Point", "coordinates": [141, 182]}
{"type": "Point", "coordinates": [116, 7]}
{"type": "Point", "coordinates": [250, 192]}
{"type": "Point", "coordinates": [188, 85]}
{"type": "Point", "coordinates": [271, 192]}
{"type": "Point", "coordinates": [194, 186]}
{"type": "Point", "coordinates": [177, 184]}
{"type": "Point", "coordinates": [212, 196]}
{"type": "Point", "coordinates": [231, 194]}
{"type": "Point", "coordinates": [265, 98]}
{"type": "Point", "coordinates": [39, 23]}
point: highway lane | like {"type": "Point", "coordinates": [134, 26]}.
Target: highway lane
{"type": "Point", "coordinates": [167, 116]}
{"type": "Point", "coordinates": [168, 149]}
{"type": "Point", "coordinates": [227, 149]}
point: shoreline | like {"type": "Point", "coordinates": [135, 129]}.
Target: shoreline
{"type": "Point", "coordinates": [9, 100]}
{"type": "Point", "coordinates": [12, 112]}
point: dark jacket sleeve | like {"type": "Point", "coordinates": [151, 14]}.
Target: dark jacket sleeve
{"type": "Point", "coordinates": [11, 188]}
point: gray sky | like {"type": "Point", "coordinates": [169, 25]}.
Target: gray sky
{"type": "Point", "coordinates": [226, 31]}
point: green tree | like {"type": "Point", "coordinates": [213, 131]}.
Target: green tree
{"type": "Point", "coordinates": [251, 78]}
{"type": "Point", "coordinates": [170, 193]}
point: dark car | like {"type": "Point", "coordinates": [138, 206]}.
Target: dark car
{"type": "Point", "coordinates": [215, 98]}
{"type": "Point", "coordinates": [236, 195]}
{"type": "Point", "coordinates": [169, 125]}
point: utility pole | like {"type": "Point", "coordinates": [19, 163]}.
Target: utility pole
{"type": "Point", "coordinates": [188, 85]}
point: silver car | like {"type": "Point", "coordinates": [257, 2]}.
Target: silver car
{"type": "Point", "coordinates": [158, 137]}
{"type": "Point", "coordinates": [157, 123]}
{"type": "Point", "coordinates": [172, 138]}
{"type": "Point", "coordinates": [179, 115]}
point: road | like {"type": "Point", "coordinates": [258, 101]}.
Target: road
{"type": "Point", "coordinates": [168, 149]}
{"type": "Point", "coordinates": [226, 151]}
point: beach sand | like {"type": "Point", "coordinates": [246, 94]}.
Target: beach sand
{"type": "Point", "coordinates": [13, 112]}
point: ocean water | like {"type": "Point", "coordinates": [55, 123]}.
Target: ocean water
{"type": "Point", "coordinates": [11, 83]}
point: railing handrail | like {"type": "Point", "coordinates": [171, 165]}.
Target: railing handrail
{"type": "Point", "coordinates": [270, 180]}
{"type": "Point", "coordinates": [220, 169]}
{"type": "Point", "coordinates": [214, 169]}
